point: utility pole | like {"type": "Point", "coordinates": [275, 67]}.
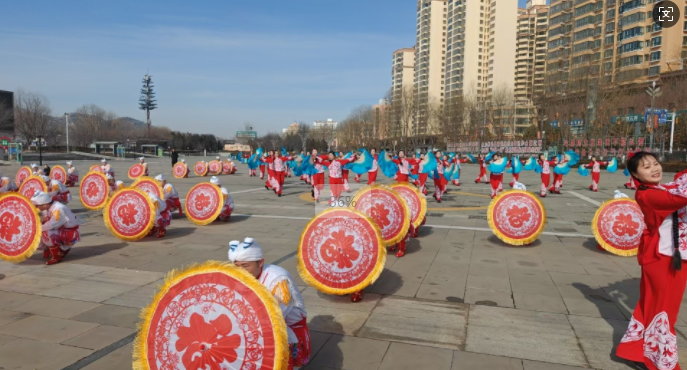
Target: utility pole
{"type": "Point", "coordinates": [653, 92]}
{"type": "Point", "coordinates": [66, 119]}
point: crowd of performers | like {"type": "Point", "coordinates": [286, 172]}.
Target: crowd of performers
{"type": "Point", "coordinates": [440, 167]}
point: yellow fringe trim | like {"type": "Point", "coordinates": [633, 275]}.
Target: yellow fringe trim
{"type": "Point", "coordinates": [207, 168]}
{"type": "Point", "coordinates": [602, 243]}
{"type": "Point", "coordinates": [160, 191]}
{"type": "Point", "coordinates": [174, 277]}
{"type": "Point", "coordinates": [44, 187]}
{"type": "Point", "coordinates": [37, 236]}
{"type": "Point", "coordinates": [406, 220]}
{"type": "Point", "coordinates": [184, 172]}
{"type": "Point", "coordinates": [281, 291]}
{"type": "Point", "coordinates": [60, 167]}
{"type": "Point", "coordinates": [379, 267]}
{"type": "Point", "coordinates": [217, 212]}
{"type": "Point", "coordinates": [142, 234]}
{"type": "Point", "coordinates": [504, 238]}
{"type": "Point", "coordinates": [107, 191]}
{"type": "Point", "coordinates": [423, 201]}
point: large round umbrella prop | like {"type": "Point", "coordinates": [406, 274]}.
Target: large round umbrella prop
{"type": "Point", "coordinates": [94, 191]}
{"type": "Point", "coordinates": [386, 207]}
{"type": "Point", "coordinates": [341, 251]}
{"type": "Point", "coordinates": [58, 173]}
{"type": "Point", "coordinates": [129, 214]}
{"type": "Point", "coordinates": [215, 167]}
{"type": "Point", "coordinates": [179, 170]}
{"type": "Point", "coordinates": [32, 185]}
{"type": "Point", "coordinates": [212, 316]}
{"type": "Point", "coordinates": [204, 203]}
{"type": "Point", "coordinates": [20, 228]}
{"type": "Point", "coordinates": [416, 202]}
{"type": "Point", "coordinates": [618, 226]}
{"type": "Point", "coordinates": [136, 171]}
{"type": "Point", "coordinates": [227, 167]}
{"type": "Point", "coordinates": [200, 168]}
{"type": "Point", "coordinates": [96, 168]}
{"type": "Point", "coordinates": [21, 176]}
{"type": "Point", "coordinates": [516, 217]}
{"type": "Point", "coordinates": [149, 185]}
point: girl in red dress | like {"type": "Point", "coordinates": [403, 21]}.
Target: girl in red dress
{"type": "Point", "coordinates": [650, 338]}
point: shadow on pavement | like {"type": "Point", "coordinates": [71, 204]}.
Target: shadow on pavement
{"type": "Point", "coordinates": [325, 348]}
{"type": "Point", "coordinates": [78, 253]}
{"type": "Point", "coordinates": [496, 241]}
{"type": "Point", "coordinates": [600, 298]}
{"type": "Point", "coordinates": [180, 232]}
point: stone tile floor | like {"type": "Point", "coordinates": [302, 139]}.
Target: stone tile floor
{"type": "Point", "coordinates": [459, 300]}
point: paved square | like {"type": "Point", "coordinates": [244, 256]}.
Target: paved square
{"type": "Point", "coordinates": [460, 299]}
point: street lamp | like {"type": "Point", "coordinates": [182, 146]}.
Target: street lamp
{"type": "Point", "coordinates": [66, 119]}
{"type": "Point", "coordinates": [654, 92]}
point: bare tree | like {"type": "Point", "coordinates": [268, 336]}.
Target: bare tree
{"type": "Point", "coordinates": [32, 118]}
{"type": "Point", "coordinates": [6, 117]}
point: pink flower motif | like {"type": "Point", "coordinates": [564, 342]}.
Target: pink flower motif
{"type": "Point", "coordinates": [339, 248]}
{"type": "Point", "coordinates": [207, 345]}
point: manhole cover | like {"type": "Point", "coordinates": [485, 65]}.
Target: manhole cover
{"type": "Point", "coordinates": [485, 303]}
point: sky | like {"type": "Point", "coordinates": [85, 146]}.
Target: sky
{"type": "Point", "coordinates": [215, 64]}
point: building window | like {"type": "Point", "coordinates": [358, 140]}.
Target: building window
{"type": "Point", "coordinates": [653, 71]}
{"type": "Point", "coordinates": [656, 55]}
{"type": "Point", "coordinates": [656, 41]}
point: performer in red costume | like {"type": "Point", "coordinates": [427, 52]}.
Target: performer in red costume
{"type": "Point", "coordinates": [262, 166]}
{"type": "Point", "coordinates": [335, 173]}
{"type": "Point", "coordinates": [279, 163]}
{"type": "Point", "coordinates": [422, 177]}
{"type": "Point", "coordinates": [557, 178]}
{"type": "Point", "coordinates": [72, 175]}
{"type": "Point", "coordinates": [439, 179]}
{"type": "Point", "coordinates": [496, 179]}
{"type": "Point", "coordinates": [271, 182]}
{"type": "Point", "coordinates": [318, 178]}
{"type": "Point", "coordinates": [650, 337]}
{"type": "Point", "coordinates": [403, 166]}
{"type": "Point", "coordinates": [596, 173]}
{"type": "Point", "coordinates": [482, 170]}
{"type": "Point", "coordinates": [545, 174]}
{"type": "Point", "coordinates": [60, 229]}
{"type": "Point", "coordinates": [344, 175]}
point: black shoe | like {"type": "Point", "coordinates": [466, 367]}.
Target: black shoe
{"type": "Point", "coordinates": [279, 195]}
{"type": "Point", "coordinates": [312, 193]}
{"type": "Point", "coordinates": [267, 187]}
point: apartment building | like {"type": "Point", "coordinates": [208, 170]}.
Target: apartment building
{"type": "Point", "coordinates": [402, 70]}
{"type": "Point", "coordinates": [608, 41]}
{"type": "Point", "coordinates": [430, 60]}
{"type": "Point", "coordinates": [530, 57]}
{"type": "Point", "coordinates": [481, 47]}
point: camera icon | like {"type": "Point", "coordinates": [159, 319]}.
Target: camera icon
{"type": "Point", "coordinates": [665, 14]}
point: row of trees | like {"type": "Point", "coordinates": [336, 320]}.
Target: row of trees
{"type": "Point", "coordinates": [33, 119]}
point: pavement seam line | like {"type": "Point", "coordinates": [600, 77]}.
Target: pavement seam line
{"type": "Point", "coordinates": [97, 355]}
{"type": "Point", "coordinates": [587, 199]}
{"type": "Point", "coordinates": [579, 345]}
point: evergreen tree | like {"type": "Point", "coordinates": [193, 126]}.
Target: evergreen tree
{"type": "Point", "coordinates": [147, 100]}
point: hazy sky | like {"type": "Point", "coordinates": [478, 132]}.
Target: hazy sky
{"type": "Point", "coordinates": [215, 64]}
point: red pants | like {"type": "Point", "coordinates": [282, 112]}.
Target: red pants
{"type": "Point", "coordinates": [173, 204]}
{"type": "Point", "coordinates": [545, 178]}
{"type": "Point", "coordinates": [631, 184]}
{"type": "Point", "coordinates": [371, 177]}
{"type": "Point", "coordinates": [336, 185]}
{"type": "Point", "coordinates": [345, 180]}
{"type": "Point", "coordinates": [439, 186]}
{"type": "Point", "coordinates": [496, 181]}
{"type": "Point", "coordinates": [279, 179]}
{"type": "Point", "coordinates": [61, 197]}
{"type": "Point", "coordinates": [596, 176]}
{"type": "Point", "coordinates": [262, 171]}
{"type": "Point", "coordinates": [516, 178]}
{"type": "Point", "coordinates": [71, 180]}
{"type": "Point", "coordinates": [482, 175]}
{"type": "Point", "coordinates": [318, 184]}
{"type": "Point", "coordinates": [225, 215]}
{"type": "Point", "coordinates": [422, 181]}
{"type": "Point", "coordinates": [299, 353]}
{"type": "Point", "coordinates": [650, 337]}
{"type": "Point", "coordinates": [401, 177]}
{"type": "Point", "coordinates": [557, 182]}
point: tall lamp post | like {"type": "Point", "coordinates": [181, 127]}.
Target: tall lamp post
{"type": "Point", "coordinates": [66, 120]}
{"type": "Point", "coordinates": [654, 92]}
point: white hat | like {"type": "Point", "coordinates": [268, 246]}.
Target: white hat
{"type": "Point", "coordinates": [103, 160]}
{"type": "Point", "coordinates": [183, 160]}
{"type": "Point", "coordinates": [233, 245]}
{"type": "Point", "coordinates": [41, 198]}
{"type": "Point", "coordinates": [248, 251]}
{"type": "Point", "coordinates": [519, 186]}
{"type": "Point", "coordinates": [33, 165]}
{"type": "Point", "coordinates": [45, 178]}
{"type": "Point", "coordinates": [109, 177]}
{"type": "Point", "coordinates": [141, 158]}
{"type": "Point", "coordinates": [217, 158]}
{"type": "Point", "coordinates": [70, 163]}
{"type": "Point", "coordinates": [214, 180]}
{"type": "Point", "coordinates": [160, 177]}
{"type": "Point", "coordinates": [619, 195]}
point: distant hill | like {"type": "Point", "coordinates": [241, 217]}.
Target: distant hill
{"type": "Point", "coordinates": [137, 124]}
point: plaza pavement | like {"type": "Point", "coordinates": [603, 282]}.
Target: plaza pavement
{"type": "Point", "coordinates": [460, 299]}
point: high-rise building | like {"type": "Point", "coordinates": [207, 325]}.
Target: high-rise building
{"type": "Point", "coordinates": [594, 43]}
{"type": "Point", "coordinates": [481, 47]}
{"type": "Point", "coordinates": [402, 70]}
{"type": "Point", "coordinates": [430, 62]}
{"type": "Point", "coordinates": [530, 58]}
